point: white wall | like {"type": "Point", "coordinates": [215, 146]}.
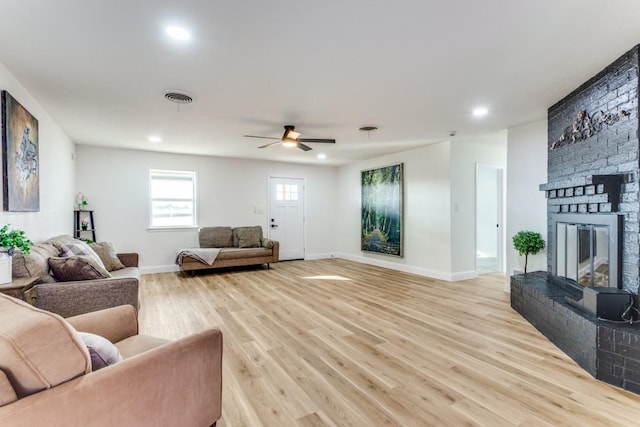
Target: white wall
{"type": "Point", "coordinates": [57, 172]}
{"type": "Point", "coordinates": [465, 154]}
{"type": "Point", "coordinates": [427, 219]}
{"type": "Point", "coordinates": [439, 207]}
{"type": "Point", "coordinates": [230, 192]}
{"type": "Point", "coordinates": [526, 204]}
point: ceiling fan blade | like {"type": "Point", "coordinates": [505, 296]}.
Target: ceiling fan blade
{"type": "Point", "coordinates": [329, 141]}
{"type": "Point", "coordinates": [304, 147]}
{"type": "Point", "coordinates": [263, 137]}
{"type": "Point", "coordinates": [270, 144]}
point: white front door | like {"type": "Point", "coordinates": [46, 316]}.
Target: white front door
{"type": "Point", "coordinates": [286, 216]}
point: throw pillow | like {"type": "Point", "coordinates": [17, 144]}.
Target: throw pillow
{"type": "Point", "coordinates": [107, 254]}
{"type": "Point", "coordinates": [80, 248]}
{"type": "Point", "coordinates": [249, 237]}
{"type": "Point", "coordinates": [215, 237]}
{"type": "Point", "coordinates": [67, 269]}
{"type": "Point", "coordinates": [103, 352]}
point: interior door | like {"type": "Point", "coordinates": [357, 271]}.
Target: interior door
{"type": "Point", "coordinates": [489, 239]}
{"type": "Point", "coordinates": [286, 216]}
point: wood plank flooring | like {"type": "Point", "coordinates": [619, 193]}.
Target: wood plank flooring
{"type": "Point", "coordinates": [337, 343]}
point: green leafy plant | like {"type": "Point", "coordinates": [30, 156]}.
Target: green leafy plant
{"type": "Point", "coordinates": [11, 239]}
{"type": "Point", "coordinates": [528, 242]}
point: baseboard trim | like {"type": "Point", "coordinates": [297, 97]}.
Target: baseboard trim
{"type": "Point", "coordinates": [464, 275]}
{"type": "Point", "coordinates": [448, 277]}
{"type": "Point", "coordinates": [319, 256]}
{"type": "Point", "coordinates": [171, 268]}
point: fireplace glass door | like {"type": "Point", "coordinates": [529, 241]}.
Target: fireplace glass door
{"type": "Point", "coordinates": [583, 253]}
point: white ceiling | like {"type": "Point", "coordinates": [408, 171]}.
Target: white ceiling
{"type": "Point", "coordinates": [414, 68]}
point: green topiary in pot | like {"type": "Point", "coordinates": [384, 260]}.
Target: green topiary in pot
{"type": "Point", "coordinates": [528, 242]}
{"type": "Point", "coordinates": [11, 239]}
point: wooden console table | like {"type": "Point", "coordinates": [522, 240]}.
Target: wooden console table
{"type": "Point", "coordinates": [16, 287]}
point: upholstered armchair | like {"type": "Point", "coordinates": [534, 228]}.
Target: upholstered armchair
{"type": "Point", "coordinates": [47, 379]}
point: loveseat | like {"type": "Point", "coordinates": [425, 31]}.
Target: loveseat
{"type": "Point", "coordinates": [229, 247]}
{"type": "Point", "coordinates": [75, 283]}
{"type": "Point", "coordinates": [48, 373]}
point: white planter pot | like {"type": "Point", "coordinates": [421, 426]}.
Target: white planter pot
{"type": "Point", "coordinates": [5, 267]}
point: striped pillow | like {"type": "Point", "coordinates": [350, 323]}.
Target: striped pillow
{"type": "Point", "coordinates": [80, 249]}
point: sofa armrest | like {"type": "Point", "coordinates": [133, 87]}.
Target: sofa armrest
{"type": "Point", "coordinates": [72, 298]}
{"type": "Point", "coordinates": [275, 248]}
{"type": "Point", "coordinates": [179, 383]}
{"type": "Point", "coordinates": [114, 324]}
{"type": "Point", "coordinates": [129, 259]}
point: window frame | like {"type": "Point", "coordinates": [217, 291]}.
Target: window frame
{"type": "Point", "coordinates": [192, 175]}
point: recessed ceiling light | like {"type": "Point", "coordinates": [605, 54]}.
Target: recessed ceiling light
{"type": "Point", "coordinates": [322, 156]}
{"type": "Point", "coordinates": [480, 111]}
{"type": "Point", "coordinates": [178, 33]}
{"type": "Point", "coordinates": [155, 139]}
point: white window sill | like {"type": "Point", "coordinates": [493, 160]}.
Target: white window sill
{"type": "Point", "coordinates": [156, 229]}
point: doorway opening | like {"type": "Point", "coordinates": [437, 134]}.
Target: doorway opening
{"type": "Point", "coordinates": [489, 214]}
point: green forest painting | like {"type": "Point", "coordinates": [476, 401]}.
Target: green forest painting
{"type": "Point", "coordinates": [382, 210]}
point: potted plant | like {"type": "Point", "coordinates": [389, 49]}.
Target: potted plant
{"type": "Point", "coordinates": [10, 240]}
{"type": "Point", "coordinates": [81, 201]}
{"type": "Point", "coordinates": [528, 242]}
{"type": "Point", "coordinates": [84, 225]}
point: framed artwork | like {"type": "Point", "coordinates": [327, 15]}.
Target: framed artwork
{"type": "Point", "coordinates": [20, 166]}
{"type": "Point", "coordinates": [381, 219]}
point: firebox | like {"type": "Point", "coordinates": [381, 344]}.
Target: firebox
{"type": "Point", "coordinates": [586, 249]}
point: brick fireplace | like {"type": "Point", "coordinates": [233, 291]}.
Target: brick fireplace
{"type": "Point", "coordinates": [593, 228]}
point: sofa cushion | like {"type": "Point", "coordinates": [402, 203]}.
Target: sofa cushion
{"type": "Point", "coordinates": [81, 249]}
{"type": "Point", "coordinates": [137, 344]}
{"type": "Point", "coordinates": [103, 353]}
{"type": "Point", "coordinates": [236, 253]}
{"type": "Point", "coordinates": [248, 237]}
{"type": "Point", "coordinates": [7, 393]}
{"type": "Point", "coordinates": [39, 349]}
{"type": "Point", "coordinates": [59, 241]}
{"type": "Point", "coordinates": [215, 237]}
{"type": "Point", "coordinates": [66, 269]}
{"type": "Point", "coordinates": [107, 255]}
{"type": "Point", "coordinates": [36, 263]}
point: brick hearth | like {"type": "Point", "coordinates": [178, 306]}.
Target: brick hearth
{"type": "Point", "coordinates": [593, 170]}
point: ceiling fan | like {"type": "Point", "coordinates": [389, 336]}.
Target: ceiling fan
{"type": "Point", "coordinates": [291, 138]}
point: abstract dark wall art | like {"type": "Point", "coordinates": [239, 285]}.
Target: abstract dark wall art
{"type": "Point", "coordinates": [20, 166]}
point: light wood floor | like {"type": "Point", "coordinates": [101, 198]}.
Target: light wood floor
{"type": "Point", "coordinates": [337, 343]}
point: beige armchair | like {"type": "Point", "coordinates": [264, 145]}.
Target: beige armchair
{"type": "Point", "coordinates": [46, 377]}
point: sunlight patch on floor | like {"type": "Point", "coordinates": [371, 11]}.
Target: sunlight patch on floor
{"type": "Point", "coordinates": [326, 278]}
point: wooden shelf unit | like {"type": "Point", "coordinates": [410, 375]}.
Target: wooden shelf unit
{"type": "Point", "coordinates": [78, 231]}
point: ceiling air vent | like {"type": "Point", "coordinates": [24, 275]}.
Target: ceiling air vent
{"type": "Point", "coordinates": [178, 98]}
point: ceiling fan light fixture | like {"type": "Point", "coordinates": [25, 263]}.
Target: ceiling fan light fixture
{"type": "Point", "coordinates": [289, 143]}
{"type": "Point", "coordinates": [291, 134]}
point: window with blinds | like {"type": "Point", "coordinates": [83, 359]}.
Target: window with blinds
{"type": "Point", "coordinates": [172, 199]}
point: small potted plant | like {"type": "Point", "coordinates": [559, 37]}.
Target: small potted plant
{"type": "Point", "coordinates": [82, 202]}
{"type": "Point", "coordinates": [527, 242]}
{"type": "Point", "coordinates": [84, 225]}
{"type": "Point", "coordinates": [10, 240]}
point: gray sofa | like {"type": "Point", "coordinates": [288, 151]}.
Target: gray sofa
{"type": "Point", "coordinates": [72, 297]}
{"type": "Point", "coordinates": [238, 246]}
